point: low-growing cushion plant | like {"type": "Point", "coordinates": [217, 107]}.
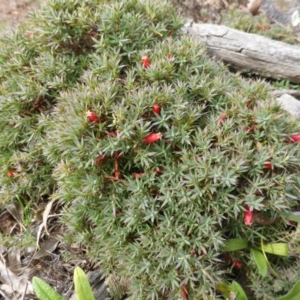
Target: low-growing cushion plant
{"type": "Point", "coordinates": [158, 154]}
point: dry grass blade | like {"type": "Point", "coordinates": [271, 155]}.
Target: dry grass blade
{"type": "Point", "coordinates": [16, 211]}
{"type": "Point", "coordinates": [45, 219]}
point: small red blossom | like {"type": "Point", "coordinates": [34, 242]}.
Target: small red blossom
{"type": "Point", "coordinates": [237, 264]}
{"type": "Point", "coordinates": [247, 128]}
{"type": "Point", "coordinates": [152, 138]}
{"type": "Point", "coordinates": [118, 212]}
{"type": "Point", "coordinates": [92, 33]}
{"type": "Point", "coordinates": [29, 34]}
{"type": "Point", "coordinates": [146, 62]}
{"type": "Point", "coordinates": [92, 116]}
{"type": "Point", "coordinates": [248, 216]}
{"type": "Point", "coordinates": [268, 165]}
{"type": "Point", "coordinates": [170, 56]}
{"type": "Point", "coordinates": [156, 109]}
{"type": "Point", "coordinates": [295, 138]}
{"type": "Point", "coordinates": [222, 118]}
{"type": "Point", "coordinates": [11, 173]}
{"type": "Point", "coordinates": [184, 292]}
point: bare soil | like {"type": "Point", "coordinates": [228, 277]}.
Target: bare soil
{"type": "Point", "coordinates": [14, 11]}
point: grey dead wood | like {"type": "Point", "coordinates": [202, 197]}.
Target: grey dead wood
{"type": "Point", "coordinates": [248, 53]}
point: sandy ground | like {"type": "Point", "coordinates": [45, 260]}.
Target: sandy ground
{"type": "Point", "coordinates": [14, 11]}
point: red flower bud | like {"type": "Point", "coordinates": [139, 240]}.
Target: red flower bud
{"type": "Point", "coordinates": [184, 292]}
{"type": "Point", "coordinates": [222, 118]}
{"type": "Point", "coordinates": [237, 264]}
{"type": "Point", "coordinates": [248, 216]}
{"type": "Point", "coordinates": [295, 138]}
{"type": "Point", "coordinates": [156, 109]}
{"type": "Point", "coordinates": [247, 128]}
{"type": "Point", "coordinates": [92, 116]}
{"type": "Point", "coordinates": [170, 56]}
{"type": "Point", "coordinates": [118, 212]}
{"type": "Point", "coordinates": [92, 33]}
{"type": "Point", "coordinates": [11, 173]}
{"type": "Point", "coordinates": [152, 137]}
{"type": "Point", "coordinates": [268, 165]}
{"type": "Point", "coordinates": [146, 62]}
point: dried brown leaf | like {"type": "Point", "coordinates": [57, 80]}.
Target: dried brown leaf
{"type": "Point", "coordinates": [253, 6]}
{"type": "Point", "coordinates": [47, 248]}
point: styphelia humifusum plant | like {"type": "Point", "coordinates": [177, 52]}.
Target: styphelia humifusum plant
{"type": "Point", "coordinates": [158, 160]}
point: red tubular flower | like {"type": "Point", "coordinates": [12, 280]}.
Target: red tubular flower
{"type": "Point", "coordinates": [222, 118]}
{"type": "Point", "coordinates": [152, 138]}
{"type": "Point", "coordinates": [92, 33]}
{"type": "Point", "coordinates": [118, 212]}
{"type": "Point", "coordinates": [184, 292]}
{"type": "Point", "coordinates": [156, 109]}
{"type": "Point", "coordinates": [248, 216]}
{"type": "Point", "coordinates": [92, 116]}
{"type": "Point", "coordinates": [295, 138]}
{"type": "Point", "coordinates": [11, 173]}
{"type": "Point", "coordinates": [268, 165]}
{"type": "Point", "coordinates": [247, 128]}
{"type": "Point", "coordinates": [237, 264]}
{"type": "Point", "coordinates": [146, 62]}
{"type": "Point", "coordinates": [170, 56]}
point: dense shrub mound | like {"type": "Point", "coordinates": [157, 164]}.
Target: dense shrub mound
{"type": "Point", "coordinates": [158, 154]}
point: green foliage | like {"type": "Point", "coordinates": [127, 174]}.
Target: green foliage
{"type": "Point", "coordinates": [44, 291]}
{"type": "Point", "coordinates": [276, 284]}
{"type": "Point", "coordinates": [154, 196]}
{"type": "Point", "coordinates": [260, 24]}
{"type": "Point", "coordinates": [83, 289]}
{"type": "Point", "coordinates": [240, 294]}
{"type": "Point", "coordinates": [260, 261]}
{"type": "Point", "coordinates": [293, 294]}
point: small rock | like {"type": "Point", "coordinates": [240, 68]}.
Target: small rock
{"type": "Point", "coordinates": [290, 104]}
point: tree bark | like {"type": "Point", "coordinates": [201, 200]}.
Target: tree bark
{"type": "Point", "coordinates": [247, 52]}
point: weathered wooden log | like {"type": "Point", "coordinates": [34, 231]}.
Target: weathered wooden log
{"type": "Point", "coordinates": [247, 52]}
